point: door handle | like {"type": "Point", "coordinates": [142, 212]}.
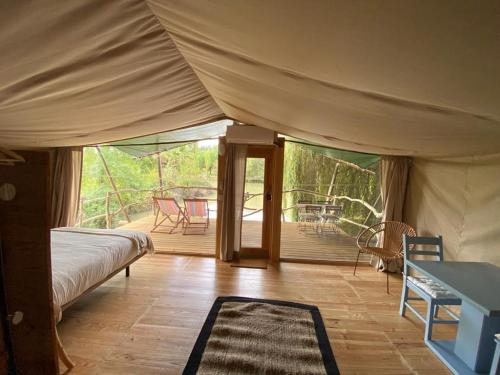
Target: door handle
{"type": "Point", "coordinates": [269, 196]}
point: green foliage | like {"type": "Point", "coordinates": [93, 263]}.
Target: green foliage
{"type": "Point", "coordinates": [188, 165]}
{"type": "Point", "coordinates": [192, 165]}
{"type": "Point", "coordinates": [304, 169]}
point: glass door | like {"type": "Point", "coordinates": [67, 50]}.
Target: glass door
{"type": "Point", "coordinates": [257, 203]}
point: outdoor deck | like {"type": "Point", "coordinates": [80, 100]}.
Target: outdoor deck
{"type": "Point", "coordinates": [295, 245]}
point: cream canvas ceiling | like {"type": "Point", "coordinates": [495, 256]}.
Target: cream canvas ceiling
{"type": "Point", "coordinates": [392, 77]}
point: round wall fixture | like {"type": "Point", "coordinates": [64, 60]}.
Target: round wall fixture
{"type": "Point", "coordinates": [7, 192]}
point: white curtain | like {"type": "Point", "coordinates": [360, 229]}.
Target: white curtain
{"type": "Point", "coordinates": [394, 172]}
{"type": "Point", "coordinates": [66, 180]}
{"type": "Point", "coordinates": [232, 200]}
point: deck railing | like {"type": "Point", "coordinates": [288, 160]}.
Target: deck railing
{"type": "Point", "coordinates": [111, 213]}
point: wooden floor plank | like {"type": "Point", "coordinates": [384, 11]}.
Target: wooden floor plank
{"type": "Point", "coordinates": [295, 244]}
{"type": "Point", "coordinates": [148, 323]}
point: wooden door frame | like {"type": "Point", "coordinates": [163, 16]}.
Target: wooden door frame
{"type": "Point", "coordinates": [277, 192]}
{"type": "Point", "coordinates": [221, 168]}
{"type": "Point", "coordinates": [276, 180]}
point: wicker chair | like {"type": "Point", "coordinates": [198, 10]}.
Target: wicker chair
{"type": "Point", "coordinates": [390, 235]}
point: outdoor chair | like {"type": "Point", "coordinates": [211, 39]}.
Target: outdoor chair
{"type": "Point", "coordinates": [196, 213]}
{"type": "Point", "coordinates": [171, 211]}
{"type": "Point", "coordinates": [330, 218]}
{"type": "Point", "coordinates": [384, 240]}
{"type": "Point", "coordinates": [309, 216]}
{"type": "Point", "coordinates": [427, 289]}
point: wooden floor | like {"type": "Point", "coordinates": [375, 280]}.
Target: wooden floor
{"type": "Point", "coordinates": [330, 247]}
{"type": "Point", "coordinates": [148, 323]}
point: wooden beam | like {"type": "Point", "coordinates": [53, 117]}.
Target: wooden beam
{"type": "Point", "coordinates": [112, 182]}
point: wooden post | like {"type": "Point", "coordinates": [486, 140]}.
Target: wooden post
{"type": "Point", "coordinates": [160, 173]}
{"type": "Point", "coordinates": [108, 215]}
{"type": "Point", "coordinates": [80, 211]}
{"type": "Point", "coordinates": [112, 182]}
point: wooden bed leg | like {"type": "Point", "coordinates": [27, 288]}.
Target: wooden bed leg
{"type": "Point", "coordinates": [63, 356]}
{"type": "Point", "coordinates": [127, 271]}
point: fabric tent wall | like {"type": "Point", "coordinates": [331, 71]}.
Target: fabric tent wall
{"type": "Point", "coordinates": [459, 199]}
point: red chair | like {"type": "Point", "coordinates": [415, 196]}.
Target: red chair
{"type": "Point", "coordinates": [171, 211]}
{"type": "Point", "coordinates": [196, 214]}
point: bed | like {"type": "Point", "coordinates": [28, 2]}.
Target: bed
{"type": "Point", "coordinates": [83, 259]}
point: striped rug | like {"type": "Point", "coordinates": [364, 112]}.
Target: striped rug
{"type": "Point", "coordinates": [257, 336]}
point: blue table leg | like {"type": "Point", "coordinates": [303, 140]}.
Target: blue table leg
{"type": "Point", "coordinates": [475, 342]}
{"type": "Point", "coordinates": [495, 365]}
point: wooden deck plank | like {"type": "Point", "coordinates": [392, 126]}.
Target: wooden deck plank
{"type": "Point", "coordinates": [331, 247]}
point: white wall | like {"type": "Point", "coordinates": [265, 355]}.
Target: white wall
{"type": "Point", "coordinates": [459, 199]}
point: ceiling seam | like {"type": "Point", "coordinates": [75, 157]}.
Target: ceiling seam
{"type": "Point", "coordinates": [181, 54]}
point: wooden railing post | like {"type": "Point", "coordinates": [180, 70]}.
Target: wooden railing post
{"type": "Point", "coordinates": [112, 182]}
{"type": "Point", "coordinates": [80, 211]}
{"type": "Point", "coordinates": [160, 172]}
{"type": "Point", "coordinates": [108, 215]}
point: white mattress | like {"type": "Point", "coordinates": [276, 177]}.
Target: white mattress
{"type": "Point", "coordinates": [83, 257]}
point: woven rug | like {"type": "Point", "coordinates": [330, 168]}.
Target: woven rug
{"type": "Point", "coordinates": [257, 336]}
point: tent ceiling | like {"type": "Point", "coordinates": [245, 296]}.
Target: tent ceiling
{"type": "Point", "coordinates": [78, 72]}
{"type": "Point", "coordinates": [414, 78]}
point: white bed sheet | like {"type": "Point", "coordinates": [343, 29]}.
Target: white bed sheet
{"type": "Point", "coordinates": [83, 257]}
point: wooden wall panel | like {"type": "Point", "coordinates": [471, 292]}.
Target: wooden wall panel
{"type": "Point", "coordinates": [25, 236]}
{"type": "Point", "coordinates": [6, 362]}
{"type": "Point", "coordinates": [4, 356]}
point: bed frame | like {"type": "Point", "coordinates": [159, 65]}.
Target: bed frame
{"type": "Point", "coordinates": [126, 266]}
{"type": "Point", "coordinates": [60, 349]}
